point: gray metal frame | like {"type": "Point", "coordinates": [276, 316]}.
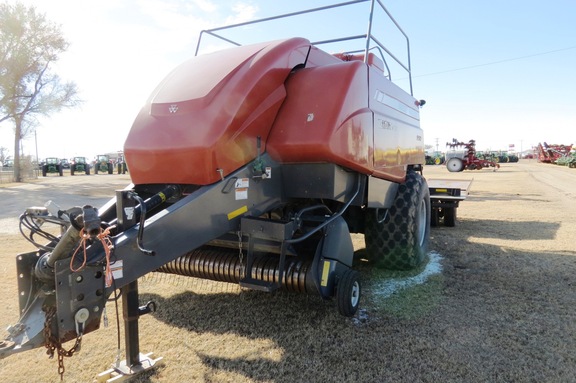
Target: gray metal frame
{"type": "Point", "coordinates": [371, 42]}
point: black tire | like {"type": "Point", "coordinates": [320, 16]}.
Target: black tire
{"type": "Point", "coordinates": [449, 216]}
{"type": "Point", "coordinates": [455, 164]}
{"type": "Point", "coordinates": [348, 292]}
{"type": "Point", "coordinates": [400, 241]}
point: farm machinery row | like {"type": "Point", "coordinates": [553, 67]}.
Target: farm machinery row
{"type": "Point", "coordinates": [102, 164]}
{"type": "Point", "coordinates": [265, 195]}
{"type": "Point", "coordinates": [466, 159]}
{"type": "Point", "coordinates": [557, 154]}
{"type": "Point", "coordinates": [439, 158]}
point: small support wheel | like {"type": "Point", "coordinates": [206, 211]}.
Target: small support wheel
{"type": "Point", "coordinates": [348, 292]}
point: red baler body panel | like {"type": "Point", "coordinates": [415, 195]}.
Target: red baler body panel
{"type": "Point", "coordinates": [207, 114]}
{"type": "Point", "coordinates": [203, 120]}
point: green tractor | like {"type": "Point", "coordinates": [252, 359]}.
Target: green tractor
{"type": "Point", "coordinates": [79, 164]}
{"type": "Point", "coordinates": [103, 164]}
{"type": "Point", "coordinates": [121, 165]}
{"type": "Point", "coordinates": [52, 165]}
{"type": "Point", "coordinates": [436, 158]}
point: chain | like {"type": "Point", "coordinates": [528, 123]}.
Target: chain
{"type": "Point", "coordinates": [52, 343]}
{"type": "Point", "coordinates": [240, 253]}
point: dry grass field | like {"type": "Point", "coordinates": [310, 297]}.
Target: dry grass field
{"type": "Point", "coordinates": [496, 304]}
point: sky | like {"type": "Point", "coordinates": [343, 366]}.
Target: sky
{"type": "Point", "coordinates": [499, 72]}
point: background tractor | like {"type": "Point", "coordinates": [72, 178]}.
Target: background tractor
{"type": "Point", "coordinates": [79, 164]}
{"type": "Point", "coordinates": [121, 165]}
{"type": "Point", "coordinates": [52, 165]}
{"type": "Point", "coordinates": [103, 164]}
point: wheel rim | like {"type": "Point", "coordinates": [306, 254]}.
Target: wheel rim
{"type": "Point", "coordinates": [421, 232]}
{"type": "Point", "coordinates": [355, 294]}
{"type": "Point", "coordinates": [454, 164]}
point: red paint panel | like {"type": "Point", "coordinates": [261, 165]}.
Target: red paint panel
{"type": "Point", "coordinates": [398, 138]}
{"type": "Point", "coordinates": [325, 117]}
{"type": "Point", "coordinates": [207, 113]}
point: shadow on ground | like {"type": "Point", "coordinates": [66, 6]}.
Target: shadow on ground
{"type": "Point", "coordinates": [500, 316]}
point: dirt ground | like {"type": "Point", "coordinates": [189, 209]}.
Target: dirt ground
{"type": "Point", "coordinates": [498, 305]}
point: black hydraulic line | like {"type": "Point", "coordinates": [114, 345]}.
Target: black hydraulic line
{"type": "Point", "coordinates": [329, 220]}
{"type": "Point", "coordinates": [139, 239]}
{"type": "Point", "coordinates": [154, 201]}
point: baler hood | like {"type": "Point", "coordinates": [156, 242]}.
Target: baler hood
{"type": "Point", "coordinates": [207, 113]}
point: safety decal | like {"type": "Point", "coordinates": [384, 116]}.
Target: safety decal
{"type": "Point", "coordinates": [241, 188]}
{"type": "Point", "coordinates": [242, 183]}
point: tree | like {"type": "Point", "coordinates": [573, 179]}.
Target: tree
{"type": "Point", "coordinates": [3, 154]}
{"type": "Point", "coordinates": [29, 45]}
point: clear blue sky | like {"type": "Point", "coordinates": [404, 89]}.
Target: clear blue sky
{"type": "Point", "coordinates": [499, 72]}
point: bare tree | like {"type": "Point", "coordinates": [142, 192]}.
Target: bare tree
{"type": "Point", "coordinates": [3, 154]}
{"type": "Point", "coordinates": [29, 45]}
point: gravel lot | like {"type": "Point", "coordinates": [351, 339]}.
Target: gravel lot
{"type": "Point", "coordinates": [495, 304]}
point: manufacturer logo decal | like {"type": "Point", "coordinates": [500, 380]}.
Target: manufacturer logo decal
{"type": "Point", "coordinates": [173, 108]}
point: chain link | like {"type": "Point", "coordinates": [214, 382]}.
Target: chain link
{"type": "Point", "coordinates": [52, 343]}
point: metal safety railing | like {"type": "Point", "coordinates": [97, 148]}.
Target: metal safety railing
{"type": "Point", "coordinates": [371, 41]}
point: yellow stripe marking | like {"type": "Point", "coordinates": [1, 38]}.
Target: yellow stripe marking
{"type": "Point", "coordinates": [325, 271]}
{"type": "Point", "coordinates": [237, 212]}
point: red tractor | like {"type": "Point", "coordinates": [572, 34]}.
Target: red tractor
{"type": "Point", "coordinates": [467, 160]}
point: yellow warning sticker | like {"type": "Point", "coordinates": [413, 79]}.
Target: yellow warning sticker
{"type": "Point", "coordinates": [325, 271]}
{"type": "Point", "coordinates": [237, 212]}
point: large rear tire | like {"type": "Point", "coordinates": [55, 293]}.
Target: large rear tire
{"type": "Point", "coordinates": [455, 164]}
{"type": "Point", "coordinates": [400, 240]}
